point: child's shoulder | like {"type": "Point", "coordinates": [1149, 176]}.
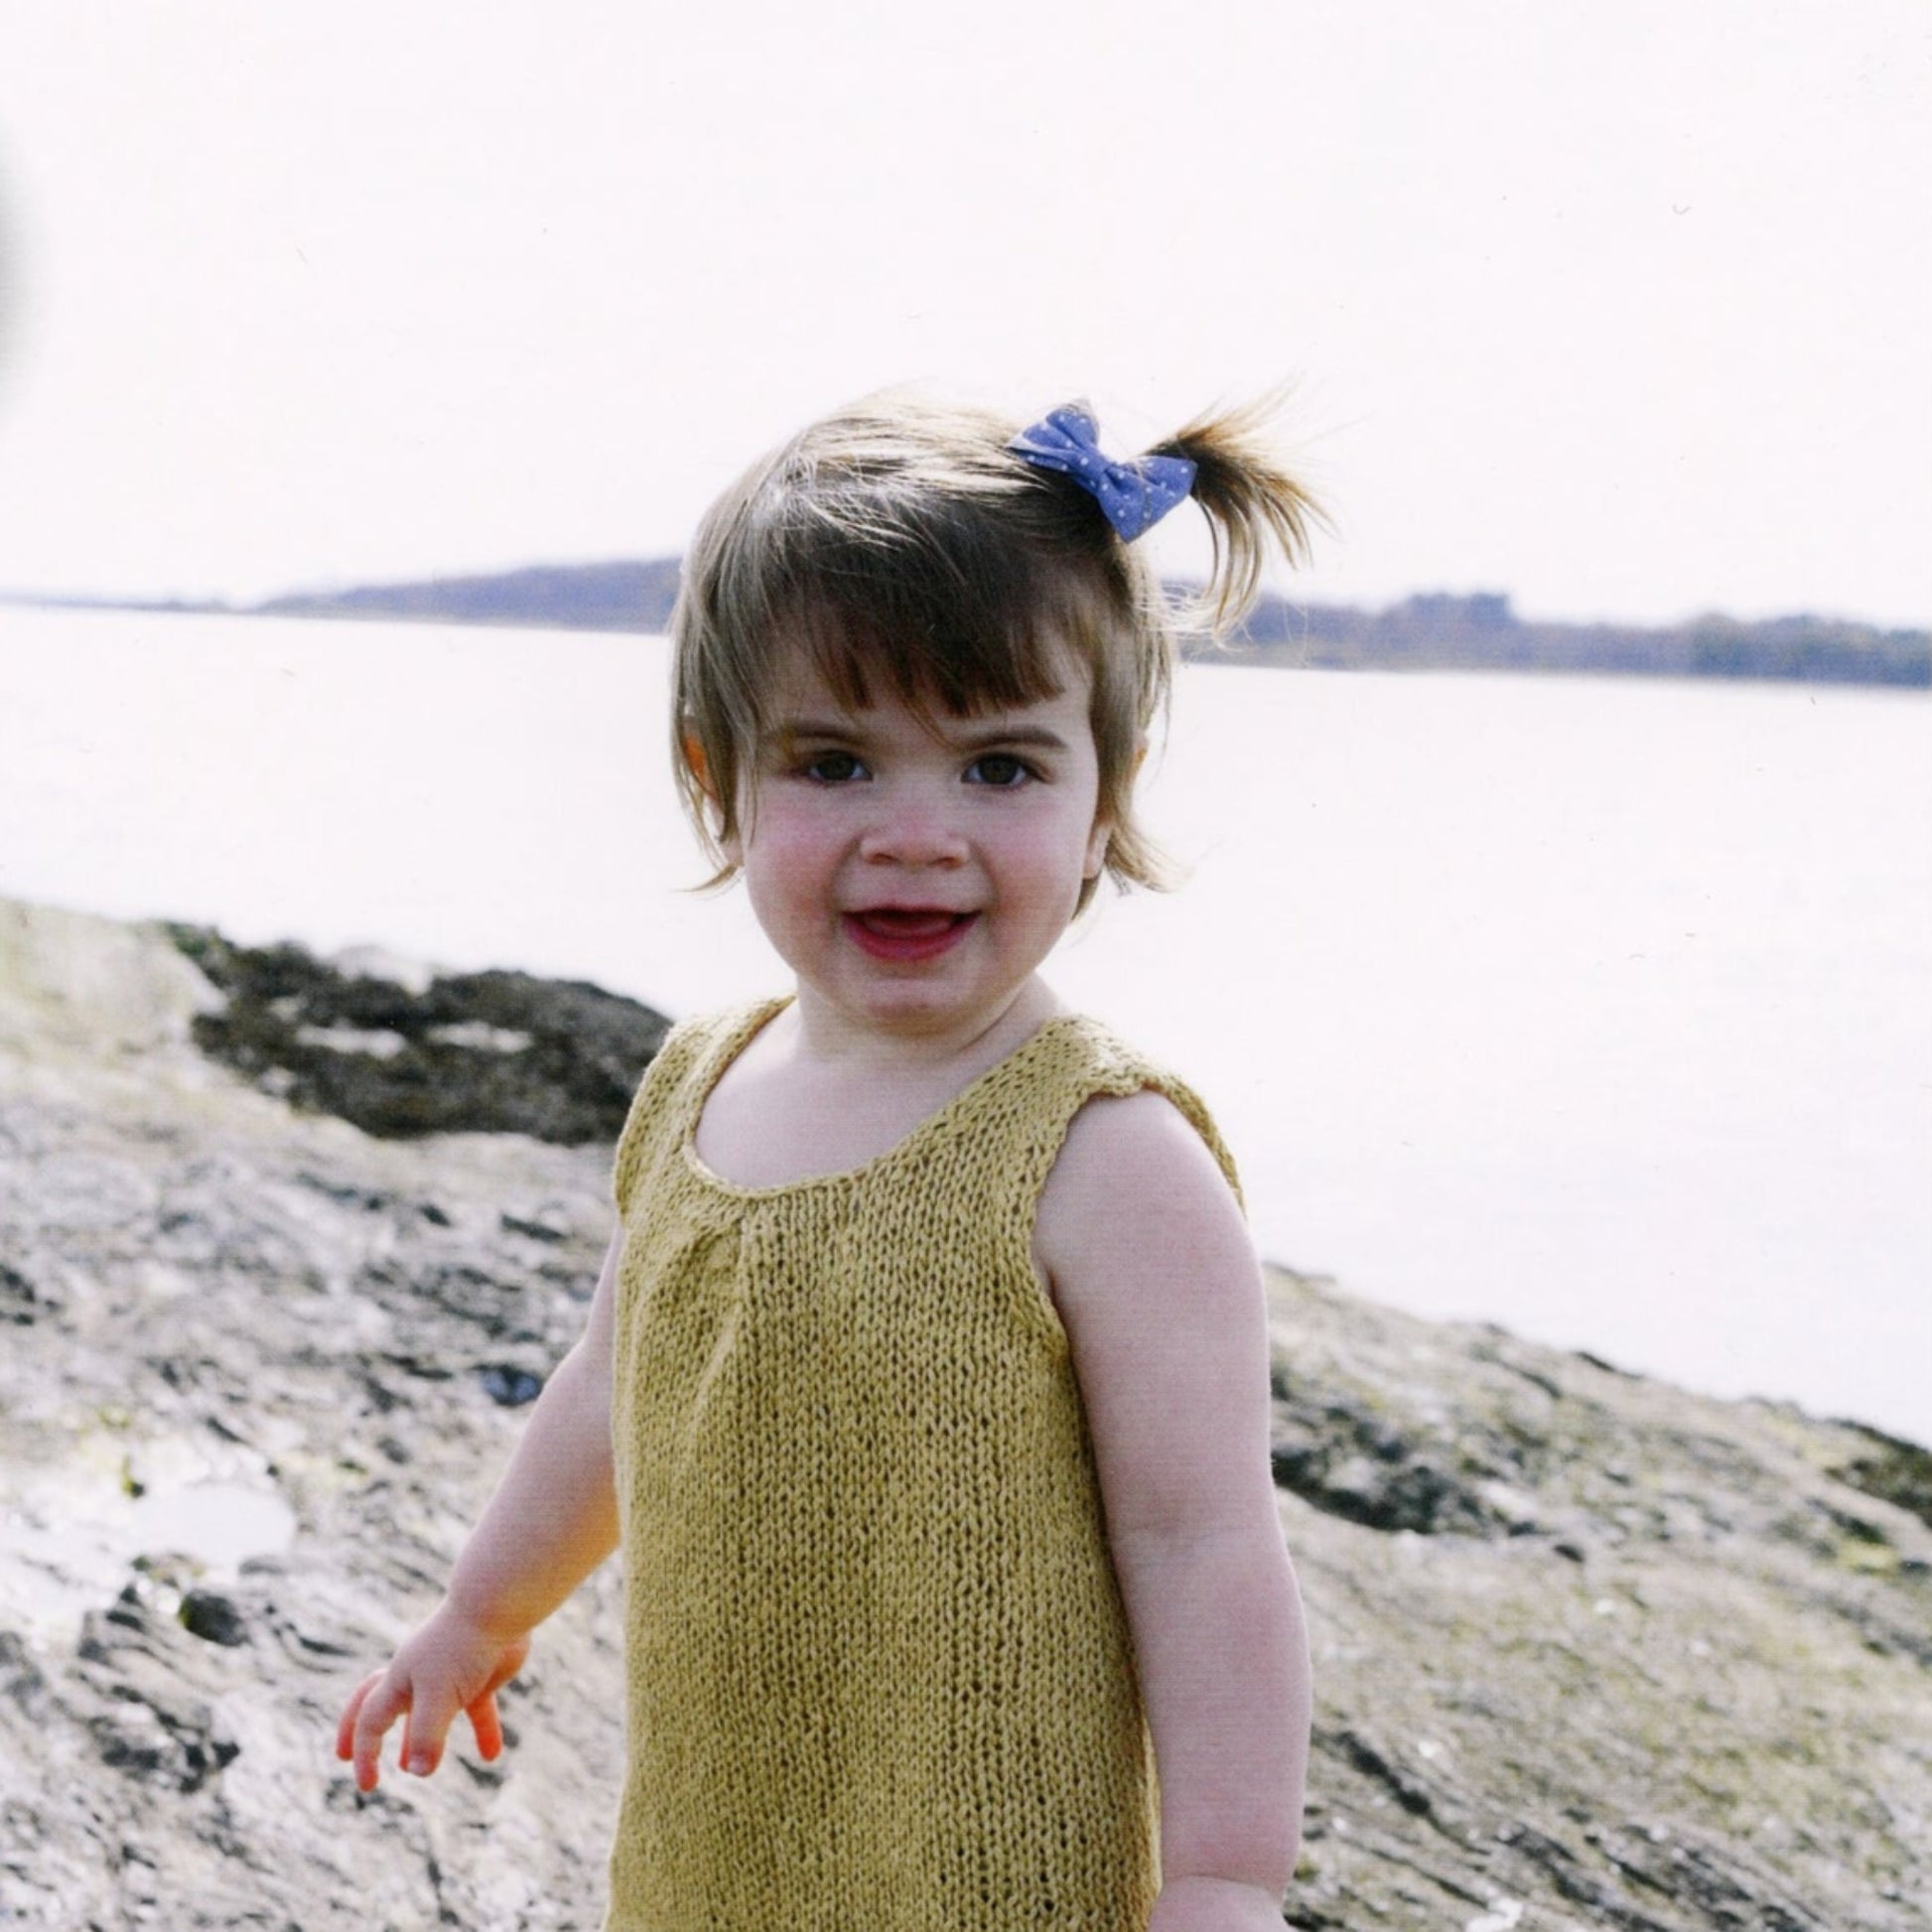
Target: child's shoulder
{"type": "Point", "coordinates": [697, 1046]}
{"type": "Point", "coordinates": [1137, 1155]}
{"type": "Point", "coordinates": [1139, 1110]}
{"type": "Point", "coordinates": [1143, 1170]}
{"type": "Point", "coordinates": [723, 1026]}
{"type": "Point", "coordinates": [1139, 1218]}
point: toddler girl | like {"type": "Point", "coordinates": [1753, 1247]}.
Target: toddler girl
{"type": "Point", "coordinates": [926, 1385]}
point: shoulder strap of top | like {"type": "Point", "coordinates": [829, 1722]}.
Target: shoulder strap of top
{"type": "Point", "coordinates": [1020, 1112]}
{"type": "Point", "coordinates": [675, 1082]}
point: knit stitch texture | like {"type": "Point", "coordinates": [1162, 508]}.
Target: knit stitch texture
{"type": "Point", "coordinates": [879, 1673]}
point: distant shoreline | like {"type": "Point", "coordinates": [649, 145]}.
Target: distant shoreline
{"type": "Point", "coordinates": [1434, 632]}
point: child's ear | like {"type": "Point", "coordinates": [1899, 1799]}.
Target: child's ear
{"type": "Point", "coordinates": [1098, 840]}
{"type": "Point", "coordinates": [1102, 835]}
{"type": "Point", "coordinates": [691, 748]}
{"type": "Point", "coordinates": [692, 745]}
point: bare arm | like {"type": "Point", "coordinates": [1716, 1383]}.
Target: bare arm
{"type": "Point", "coordinates": [1157, 1284]}
{"type": "Point", "coordinates": [552, 1520]}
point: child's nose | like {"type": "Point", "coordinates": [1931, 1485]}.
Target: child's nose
{"type": "Point", "coordinates": [914, 831]}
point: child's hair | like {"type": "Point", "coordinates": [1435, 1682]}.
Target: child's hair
{"type": "Point", "coordinates": [901, 543]}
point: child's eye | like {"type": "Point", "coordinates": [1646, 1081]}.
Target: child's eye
{"type": "Point", "coordinates": [833, 768]}
{"type": "Point", "coordinates": [999, 768]}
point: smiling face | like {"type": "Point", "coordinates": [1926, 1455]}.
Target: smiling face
{"type": "Point", "coordinates": [915, 871]}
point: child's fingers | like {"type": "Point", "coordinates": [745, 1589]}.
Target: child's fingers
{"type": "Point", "coordinates": [430, 1713]}
{"type": "Point", "coordinates": [485, 1719]}
{"type": "Point", "coordinates": [488, 1726]}
{"type": "Point", "coordinates": [345, 1724]}
{"type": "Point", "coordinates": [383, 1701]}
{"type": "Point", "coordinates": [425, 1688]}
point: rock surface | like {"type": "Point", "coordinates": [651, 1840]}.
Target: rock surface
{"type": "Point", "coordinates": [403, 1054]}
{"type": "Point", "coordinates": [1591, 1652]}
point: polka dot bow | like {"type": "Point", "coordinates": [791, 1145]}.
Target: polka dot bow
{"type": "Point", "coordinates": [1135, 494]}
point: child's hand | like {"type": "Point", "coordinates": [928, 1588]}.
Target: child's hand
{"type": "Point", "coordinates": [1214, 1905]}
{"type": "Point", "coordinates": [451, 1664]}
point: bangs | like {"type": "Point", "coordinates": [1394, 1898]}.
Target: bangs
{"type": "Point", "coordinates": [941, 610]}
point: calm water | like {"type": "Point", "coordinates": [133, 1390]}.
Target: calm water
{"type": "Point", "coordinates": [1599, 1009]}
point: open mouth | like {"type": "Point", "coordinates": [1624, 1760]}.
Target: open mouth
{"type": "Point", "coordinates": [907, 932]}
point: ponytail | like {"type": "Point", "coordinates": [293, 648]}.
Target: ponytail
{"type": "Point", "coordinates": [1252, 504]}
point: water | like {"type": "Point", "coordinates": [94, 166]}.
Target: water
{"type": "Point", "coordinates": [1594, 1008]}
{"type": "Point", "coordinates": [69, 1531]}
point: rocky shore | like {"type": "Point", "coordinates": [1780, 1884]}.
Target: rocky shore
{"type": "Point", "coordinates": [1591, 1651]}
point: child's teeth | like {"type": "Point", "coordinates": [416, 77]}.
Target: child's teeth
{"type": "Point", "coordinates": [910, 923]}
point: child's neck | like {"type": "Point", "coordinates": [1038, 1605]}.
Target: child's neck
{"type": "Point", "coordinates": [810, 1095]}
{"type": "Point", "coordinates": [820, 1033]}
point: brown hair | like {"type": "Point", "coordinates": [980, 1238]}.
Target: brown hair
{"type": "Point", "coordinates": [902, 545]}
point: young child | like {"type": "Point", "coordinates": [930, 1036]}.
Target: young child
{"type": "Point", "coordinates": [926, 1385]}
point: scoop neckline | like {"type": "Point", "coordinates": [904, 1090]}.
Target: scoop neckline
{"type": "Point", "coordinates": [739, 1036]}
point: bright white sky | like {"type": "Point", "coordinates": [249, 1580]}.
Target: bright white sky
{"type": "Point", "coordinates": [1622, 310]}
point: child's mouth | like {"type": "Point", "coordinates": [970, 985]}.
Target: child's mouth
{"type": "Point", "coordinates": [903, 933]}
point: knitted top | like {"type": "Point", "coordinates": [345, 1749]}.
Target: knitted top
{"type": "Point", "coordinates": [879, 1673]}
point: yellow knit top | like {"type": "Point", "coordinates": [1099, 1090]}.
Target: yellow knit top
{"type": "Point", "coordinates": [880, 1679]}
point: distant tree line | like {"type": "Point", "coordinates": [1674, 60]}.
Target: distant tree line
{"type": "Point", "coordinates": [1443, 632]}
{"type": "Point", "coordinates": [624, 596]}
{"type": "Point", "coordinates": [1432, 632]}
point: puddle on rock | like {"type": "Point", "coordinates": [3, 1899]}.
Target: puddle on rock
{"type": "Point", "coordinates": [217, 1524]}
{"type": "Point", "coordinates": [69, 1536]}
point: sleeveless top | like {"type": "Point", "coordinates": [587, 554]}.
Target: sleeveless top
{"type": "Point", "coordinates": [879, 1674]}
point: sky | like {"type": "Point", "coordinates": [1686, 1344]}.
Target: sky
{"type": "Point", "coordinates": [1621, 311]}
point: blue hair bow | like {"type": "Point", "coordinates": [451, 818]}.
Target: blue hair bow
{"type": "Point", "coordinates": [1135, 494]}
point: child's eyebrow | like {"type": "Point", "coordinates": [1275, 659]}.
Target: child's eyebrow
{"type": "Point", "coordinates": [788, 731]}
{"type": "Point", "coordinates": [1037, 736]}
